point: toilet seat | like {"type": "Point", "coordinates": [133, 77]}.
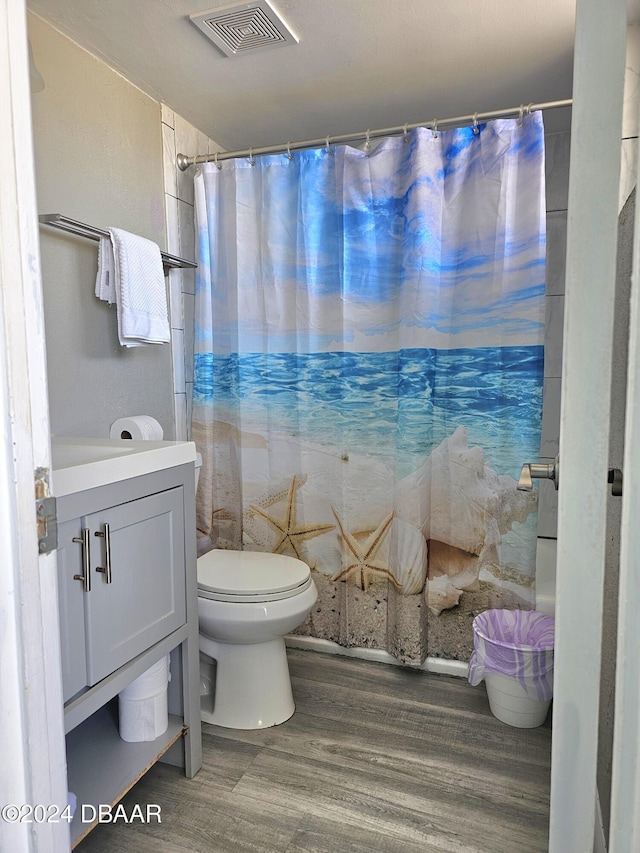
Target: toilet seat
{"type": "Point", "coordinates": [250, 576]}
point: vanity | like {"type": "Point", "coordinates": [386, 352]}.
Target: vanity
{"type": "Point", "coordinates": [127, 590]}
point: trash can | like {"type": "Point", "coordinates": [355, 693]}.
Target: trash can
{"type": "Point", "coordinates": [513, 654]}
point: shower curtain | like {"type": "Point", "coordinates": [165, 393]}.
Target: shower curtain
{"type": "Point", "coordinates": [368, 375]}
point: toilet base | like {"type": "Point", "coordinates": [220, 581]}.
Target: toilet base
{"type": "Point", "coordinates": [253, 686]}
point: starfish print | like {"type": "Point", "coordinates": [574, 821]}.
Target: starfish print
{"type": "Point", "coordinates": [361, 557]}
{"type": "Point", "coordinates": [291, 534]}
{"type": "Point", "coordinates": [278, 492]}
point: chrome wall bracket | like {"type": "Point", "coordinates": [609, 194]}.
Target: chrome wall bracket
{"type": "Point", "coordinates": [538, 471]}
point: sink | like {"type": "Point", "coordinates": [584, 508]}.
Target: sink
{"type": "Point", "coordinates": [86, 463]}
{"type": "Point", "coordinates": [68, 455]}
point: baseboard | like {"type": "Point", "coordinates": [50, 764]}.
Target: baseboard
{"type": "Point", "coordinates": [441, 666]}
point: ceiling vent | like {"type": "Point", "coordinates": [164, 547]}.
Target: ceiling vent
{"type": "Point", "coordinates": [241, 28]}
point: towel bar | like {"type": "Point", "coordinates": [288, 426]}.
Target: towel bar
{"type": "Point", "coordinates": [65, 223]}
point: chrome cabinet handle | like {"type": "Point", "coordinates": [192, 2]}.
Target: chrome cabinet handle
{"type": "Point", "coordinates": [85, 577]}
{"type": "Point", "coordinates": [106, 569]}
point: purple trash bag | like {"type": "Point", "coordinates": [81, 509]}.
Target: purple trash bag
{"type": "Point", "coordinates": [517, 643]}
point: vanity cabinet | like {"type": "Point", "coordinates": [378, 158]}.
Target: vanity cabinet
{"type": "Point", "coordinates": [127, 594]}
{"type": "Point", "coordinates": [133, 555]}
{"type": "Point", "coordinates": [71, 609]}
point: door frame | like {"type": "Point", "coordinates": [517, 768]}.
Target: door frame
{"type": "Point", "coordinates": [592, 234]}
{"type": "Point", "coordinates": [32, 745]}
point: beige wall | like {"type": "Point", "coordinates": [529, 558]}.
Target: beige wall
{"type": "Point", "coordinates": [98, 151]}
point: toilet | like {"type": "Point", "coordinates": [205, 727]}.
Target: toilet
{"type": "Point", "coordinates": [247, 602]}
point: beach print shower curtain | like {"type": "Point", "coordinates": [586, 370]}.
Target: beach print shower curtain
{"type": "Point", "coordinates": [368, 375]}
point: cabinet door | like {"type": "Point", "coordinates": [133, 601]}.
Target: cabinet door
{"type": "Point", "coordinates": [71, 608]}
{"type": "Point", "coordinates": [143, 598]}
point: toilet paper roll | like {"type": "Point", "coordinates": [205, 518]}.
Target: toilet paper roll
{"type": "Point", "coordinates": [142, 704]}
{"type": "Point", "coordinates": [137, 427]}
{"type": "Point", "coordinates": [143, 719]}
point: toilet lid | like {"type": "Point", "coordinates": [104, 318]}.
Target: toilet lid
{"type": "Point", "coordinates": [250, 576]}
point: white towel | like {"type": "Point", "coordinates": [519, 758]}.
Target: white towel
{"type": "Point", "coordinates": [130, 274]}
{"type": "Point", "coordinates": [105, 280]}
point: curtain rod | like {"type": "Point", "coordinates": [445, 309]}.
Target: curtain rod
{"type": "Point", "coordinates": [183, 161]}
{"type": "Point", "coordinates": [81, 229]}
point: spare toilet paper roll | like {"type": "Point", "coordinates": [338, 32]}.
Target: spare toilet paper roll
{"type": "Point", "coordinates": [137, 427]}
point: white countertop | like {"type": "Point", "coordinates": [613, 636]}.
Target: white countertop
{"type": "Point", "coordinates": [86, 463]}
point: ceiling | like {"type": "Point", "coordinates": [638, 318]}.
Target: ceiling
{"type": "Point", "coordinates": [359, 63]}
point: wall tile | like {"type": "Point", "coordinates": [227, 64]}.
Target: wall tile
{"type": "Point", "coordinates": [169, 160]}
{"type": "Point", "coordinates": [175, 299]}
{"type": "Point", "coordinates": [177, 358]}
{"type": "Point", "coordinates": [181, 234]}
{"type": "Point", "coordinates": [186, 136]}
{"type": "Point", "coordinates": [173, 231]}
{"type": "Point", "coordinates": [547, 507]}
{"type": "Point", "coordinates": [185, 184]}
{"type": "Point", "coordinates": [188, 307]}
{"type": "Point", "coordinates": [557, 147]}
{"type": "Point", "coordinates": [189, 408]}
{"type": "Point", "coordinates": [186, 230]}
{"type": "Point", "coordinates": [167, 115]}
{"type": "Point", "coordinates": [556, 252]}
{"type": "Point", "coordinates": [554, 319]}
{"type": "Point", "coordinates": [549, 440]}
{"type": "Point", "coordinates": [546, 557]}
{"type": "Point", "coordinates": [202, 147]}
{"type": "Point", "coordinates": [187, 139]}
{"type": "Point", "coordinates": [189, 281]}
{"type": "Point", "coordinates": [180, 415]}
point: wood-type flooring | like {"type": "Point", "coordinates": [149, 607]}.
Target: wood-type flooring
{"type": "Point", "coordinates": [375, 758]}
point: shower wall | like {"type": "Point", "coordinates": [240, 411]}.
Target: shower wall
{"type": "Point", "coordinates": [180, 137]}
{"type": "Point", "coordinates": [557, 168]}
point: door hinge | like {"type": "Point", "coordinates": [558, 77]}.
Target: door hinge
{"type": "Point", "coordinates": [46, 515]}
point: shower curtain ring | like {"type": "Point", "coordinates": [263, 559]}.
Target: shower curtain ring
{"type": "Point", "coordinates": [367, 143]}
{"type": "Point", "coordinates": [215, 160]}
{"type": "Point", "coordinates": [404, 132]}
{"type": "Point", "coordinates": [435, 128]}
{"type": "Point", "coordinates": [329, 148]}
{"type": "Point", "coordinates": [476, 129]}
{"type": "Point", "coordinates": [529, 109]}
{"type": "Point", "coordinates": [520, 115]}
{"type": "Point", "coordinates": [251, 160]}
{"type": "Point", "coordinates": [289, 154]}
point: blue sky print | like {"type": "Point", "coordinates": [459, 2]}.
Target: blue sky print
{"type": "Point", "coordinates": [419, 244]}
